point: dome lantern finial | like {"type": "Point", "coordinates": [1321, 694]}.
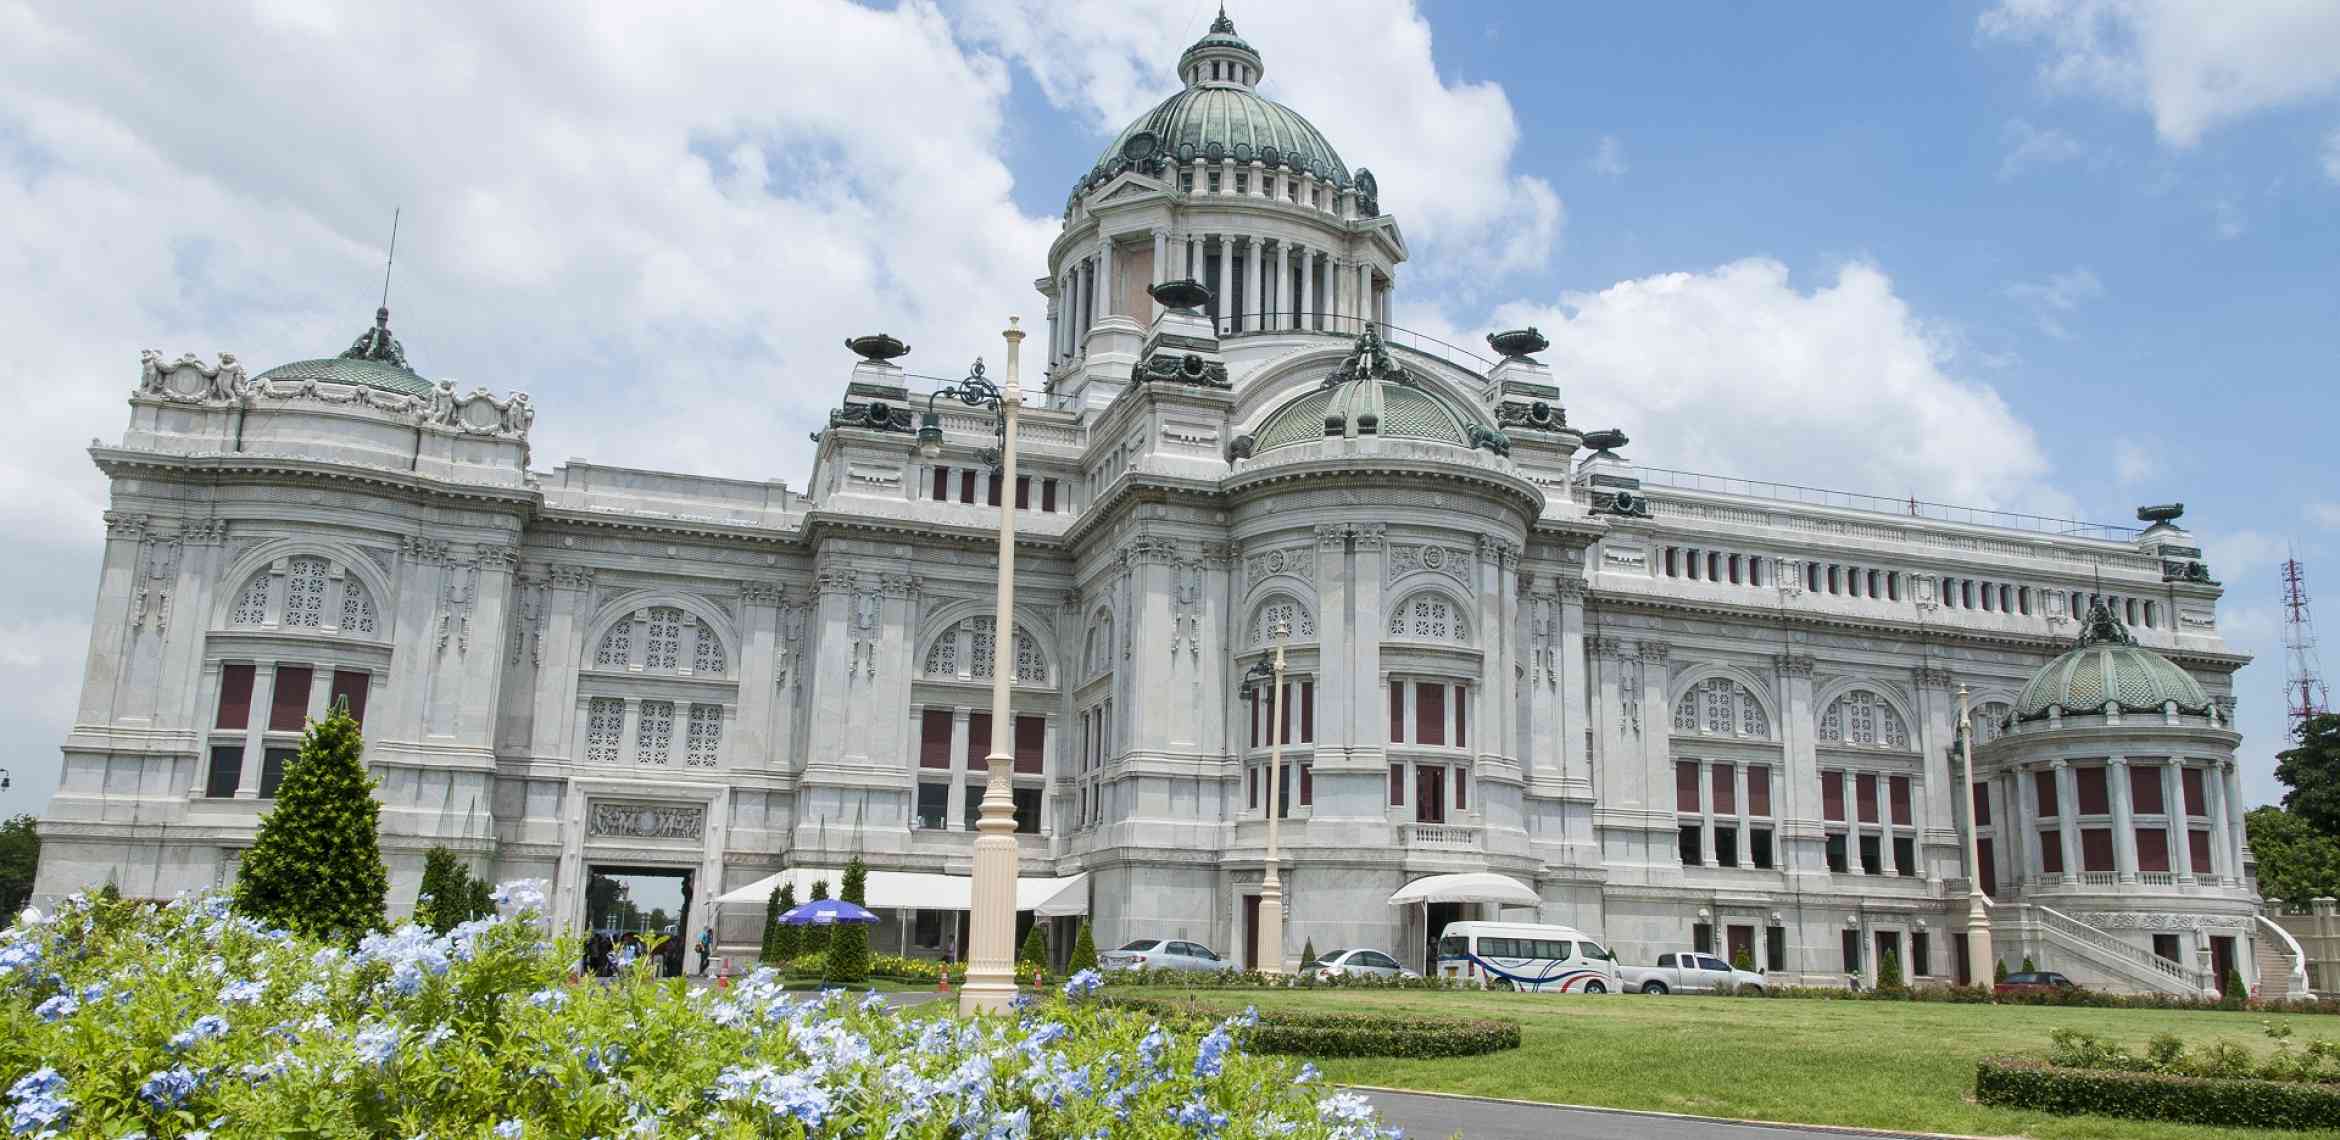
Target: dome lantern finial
{"type": "Point", "coordinates": [1223, 25]}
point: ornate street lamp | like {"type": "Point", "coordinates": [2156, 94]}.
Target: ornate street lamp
{"type": "Point", "coordinates": [975, 391]}
{"type": "Point", "coordinates": [991, 972]}
{"type": "Point", "coordinates": [3, 779]}
{"type": "Point", "coordinates": [1981, 959]}
{"type": "Point", "coordinates": [1268, 949]}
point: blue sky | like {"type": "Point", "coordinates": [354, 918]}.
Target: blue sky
{"type": "Point", "coordinates": [2061, 255]}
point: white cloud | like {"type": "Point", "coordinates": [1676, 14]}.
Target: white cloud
{"type": "Point", "coordinates": [660, 227]}
{"type": "Point", "coordinates": [2029, 146]}
{"type": "Point", "coordinates": [2331, 156]}
{"type": "Point", "coordinates": [2243, 557]}
{"type": "Point", "coordinates": [1609, 157]}
{"type": "Point", "coordinates": [2227, 219]}
{"type": "Point", "coordinates": [2132, 463]}
{"type": "Point", "coordinates": [1361, 70]}
{"type": "Point", "coordinates": [2192, 64]}
{"type": "Point", "coordinates": [2056, 298]}
{"type": "Point", "coordinates": [2324, 515]}
{"type": "Point", "coordinates": [1735, 370]}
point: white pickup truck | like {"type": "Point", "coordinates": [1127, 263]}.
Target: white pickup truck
{"type": "Point", "coordinates": [1688, 974]}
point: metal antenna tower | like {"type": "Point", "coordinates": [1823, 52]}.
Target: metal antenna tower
{"type": "Point", "coordinates": [2304, 694]}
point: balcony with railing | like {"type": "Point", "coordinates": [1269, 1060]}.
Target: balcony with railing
{"type": "Point", "coordinates": [1439, 836]}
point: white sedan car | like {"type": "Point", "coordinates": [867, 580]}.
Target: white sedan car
{"type": "Point", "coordinates": [1164, 954]}
{"type": "Point", "coordinates": [1357, 963]}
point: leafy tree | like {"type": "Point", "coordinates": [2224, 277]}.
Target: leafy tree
{"type": "Point", "coordinates": [1307, 948]}
{"type": "Point", "coordinates": [1889, 974]}
{"type": "Point", "coordinates": [2235, 991]}
{"type": "Point", "coordinates": [1084, 951]}
{"type": "Point", "coordinates": [1035, 949]}
{"type": "Point", "coordinates": [20, 856]}
{"type": "Point", "coordinates": [315, 867]}
{"type": "Point", "coordinates": [2296, 862]}
{"type": "Point", "coordinates": [2028, 968]}
{"type": "Point", "coordinates": [815, 939]}
{"type": "Point", "coordinates": [445, 892]}
{"type": "Point", "coordinates": [849, 942]}
{"type": "Point", "coordinates": [2311, 770]}
{"type": "Point", "coordinates": [1999, 971]}
{"type": "Point", "coordinates": [1744, 959]}
{"type": "Point", "coordinates": [787, 941]}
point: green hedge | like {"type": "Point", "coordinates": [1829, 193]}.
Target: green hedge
{"type": "Point", "coordinates": [2091, 999]}
{"type": "Point", "coordinates": [1254, 980]}
{"type": "Point", "coordinates": [2019, 1083]}
{"type": "Point", "coordinates": [1326, 1035]}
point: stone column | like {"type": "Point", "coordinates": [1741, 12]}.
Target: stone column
{"type": "Point", "coordinates": [255, 728]}
{"type": "Point", "coordinates": [1306, 262]}
{"type": "Point", "coordinates": [1227, 175]}
{"type": "Point", "coordinates": [1280, 294]}
{"type": "Point", "coordinates": [1258, 179]}
{"type": "Point", "coordinates": [1254, 273]}
{"type": "Point", "coordinates": [2027, 817]}
{"type": "Point", "coordinates": [2068, 818]}
{"type": "Point", "coordinates": [630, 734]}
{"type": "Point", "coordinates": [1706, 829]}
{"type": "Point", "coordinates": [1739, 815]}
{"type": "Point", "coordinates": [1657, 763]}
{"type": "Point", "coordinates": [1340, 686]}
{"type": "Point", "coordinates": [1798, 809]}
{"type": "Point", "coordinates": [1371, 723]}
{"type": "Point", "coordinates": [1223, 306]}
{"type": "Point", "coordinates": [759, 687]}
{"type": "Point", "coordinates": [1104, 276]}
{"type": "Point", "coordinates": [2116, 774]}
{"type": "Point", "coordinates": [1048, 766]}
{"type": "Point", "coordinates": [2178, 829]}
{"type": "Point", "coordinates": [1364, 291]}
{"type": "Point", "coordinates": [955, 803]}
{"type": "Point", "coordinates": [1161, 266]}
{"type": "Point", "coordinates": [1575, 695]}
{"type": "Point", "coordinates": [2231, 840]}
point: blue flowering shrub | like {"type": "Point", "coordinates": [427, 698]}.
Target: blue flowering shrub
{"type": "Point", "coordinates": [187, 1021]}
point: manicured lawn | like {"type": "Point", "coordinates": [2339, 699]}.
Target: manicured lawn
{"type": "Point", "coordinates": [1904, 1067]}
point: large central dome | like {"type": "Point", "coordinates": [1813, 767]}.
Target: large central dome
{"type": "Point", "coordinates": [1220, 116]}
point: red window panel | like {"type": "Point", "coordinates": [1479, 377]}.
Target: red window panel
{"type": "Point", "coordinates": [991, 490]}
{"type": "Point", "coordinates": [934, 738]}
{"type": "Point", "coordinates": [1429, 713]}
{"type": "Point", "coordinates": [2152, 849]}
{"type": "Point", "coordinates": [1897, 790]}
{"type": "Point", "coordinates": [289, 709]}
{"type": "Point", "coordinates": [1685, 785]}
{"type": "Point", "coordinates": [349, 688]}
{"type": "Point", "coordinates": [1759, 790]}
{"type": "Point", "coordinates": [1462, 788]}
{"type": "Point", "coordinates": [1726, 794]}
{"type": "Point", "coordinates": [1023, 492]}
{"type": "Point", "coordinates": [2091, 791]}
{"type": "Point", "coordinates": [1397, 785]}
{"type": "Point", "coordinates": [2043, 783]}
{"type": "Point", "coordinates": [2198, 848]}
{"type": "Point", "coordinates": [235, 696]}
{"type": "Point", "coordinates": [1307, 712]}
{"type": "Point", "coordinates": [942, 484]}
{"type": "Point", "coordinates": [1990, 868]}
{"type": "Point", "coordinates": [1397, 716]}
{"type": "Point", "coordinates": [1048, 494]}
{"type": "Point", "coordinates": [1462, 716]}
{"type": "Point", "coordinates": [1982, 805]}
{"type": "Point", "coordinates": [2096, 849]}
{"type": "Point", "coordinates": [1865, 790]}
{"type": "Point", "coordinates": [2145, 789]}
{"type": "Point", "coordinates": [978, 741]}
{"type": "Point", "coordinates": [2051, 852]}
{"type": "Point", "coordinates": [2191, 779]}
{"type": "Point", "coordinates": [1031, 744]}
{"type": "Point", "coordinates": [1832, 795]}
{"type": "Point", "coordinates": [1307, 785]}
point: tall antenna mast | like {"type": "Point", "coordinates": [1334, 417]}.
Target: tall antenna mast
{"type": "Point", "coordinates": [2304, 694]}
{"type": "Point", "coordinates": [392, 258]}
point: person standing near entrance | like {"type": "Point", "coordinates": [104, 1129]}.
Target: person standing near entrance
{"type": "Point", "coordinates": [706, 948]}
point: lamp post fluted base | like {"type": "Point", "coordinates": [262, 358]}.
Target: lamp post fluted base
{"type": "Point", "coordinates": [991, 963]}
{"type": "Point", "coordinates": [1270, 950]}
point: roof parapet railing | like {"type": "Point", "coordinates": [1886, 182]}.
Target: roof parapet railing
{"type": "Point", "coordinates": [1905, 507]}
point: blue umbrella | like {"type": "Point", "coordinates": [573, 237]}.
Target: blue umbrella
{"type": "Point", "coordinates": [827, 912]}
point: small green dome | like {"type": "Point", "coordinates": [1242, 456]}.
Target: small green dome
{"type": "Point", "coordinates": [374, 360]}
{"type": "Point", "coordinates": [2109, 666]}
{"type": "Point", "coordinates": [1370, 394]}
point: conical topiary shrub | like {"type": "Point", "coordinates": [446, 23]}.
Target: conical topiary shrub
{"type": "Point", "coordinates": [849, 943]}
{"type": "Point", "coordinates": [815, 939]}
{"type": "Point", "coordinates": [1084, 951]}
{"type": "Point", "coordinates": [787, 941]}
{"type": "Point", "coordinates": [445, 891]}
{"type": "Point", "coordinates": [1035, 948]}
{"type": "Point", "coordinates": [315, 867]}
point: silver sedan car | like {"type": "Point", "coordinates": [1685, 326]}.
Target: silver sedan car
{"type": "Point", "coordinates": [1357, 963]}
{"type": "Point", "coordinates": [1164, 954]}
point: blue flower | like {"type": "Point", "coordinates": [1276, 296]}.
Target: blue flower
{"type": "Point", "coordinates": [509, 1130]}
{"type": "Point", "coordinates": [1083, 984]}
{"type": "Point", "coordinates": [1308, 1072]}
{"type": "Point", "coordinates": [549, 999]}
{"type": "Point", "coordinates": [376, 1044]}
{"type": "Point", "coordinates": [310, 993]}
{"type": "Point", "coordinates": [240, 993]}
{"type": "Point", "coordinates": [519, 895]}
{"type": "Point", "coordinates": [1195, 1114]}
{"type": "Point", "coordinates": [1212, 1055]}
{"type": "Point", "coordinates": [57, 1008]}
{"type": "Point", "coordinates": [206, 1027]}
{"type": "Point", "coordinates": [168, 1089]}
{"type": "Point", "coordinates": [1150, 1050]}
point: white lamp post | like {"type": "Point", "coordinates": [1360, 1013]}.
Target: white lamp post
{"type": "Point", "coordinates": [1981, 959]}
{"type": "Point", "coordinates": [1268, 950]}
{"type": "Point", "coordinates": [991, 975]}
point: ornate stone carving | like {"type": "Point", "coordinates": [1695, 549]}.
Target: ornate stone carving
{"type": "Point", "coordinates": [492, 556]}
{"type": "Point", "coordinates": [1299, 560]}
{"type": "Point", "coordinates": [837, 580]}
{"type": "Point", "coordinates": [1571, 586]}
{"type": "Point", "coordinates": [899, 585]}
{"type": "Point", "coordinates": [158, 576]}
{"type": "Point", "coordinates": [123, 525]}
{"type": "Point", "coordinates": [761, 593]}
{"type": "Point", "coordinates": [1332, 536]}
{"type": "Point", "coordinates": [1934, 677]}
{"type": "Point", "coordinates": [1655, 650]}
{"type": "Point", "coordinates": [1793, 664]}
{"type": "Point", "coordinates": [1534, 416]}
{"type": "Point", "coordinates": [529, 603]}
{"type": "Point", "coordinates": [203, 532]}
{"type": "Point", "coordinates": [612, 819]}
{"type": "Point", "coordinates": [788, 648]}
{"type": "Point", "coordinates": [1146, 547]}
{"type": "Point", "coordinates": [575, 578]}
{"type": "Point", "coordinates": [429, 550]}
{"type": "Point", "coordinates": [1215, 556]}
{"type": "Point", "coordinates": [2150, 920]}
{"type": "Point", "coordinates": [1180, 368]}
{"type": "Point", "coordinates": [1602, 645]}
{"type": "Point", "coordinates": [1368, 536]}
{"type": "Point", "coordinates": [1407, 559]}
{"type": "Point", "coordinates": [188, 380]}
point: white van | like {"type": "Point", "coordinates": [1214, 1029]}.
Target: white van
{"type": "Point", "coordinates": [1527, 956]}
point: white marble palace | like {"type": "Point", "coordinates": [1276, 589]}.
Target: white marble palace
{"type": "Point", "coordinates": [1683, 710]}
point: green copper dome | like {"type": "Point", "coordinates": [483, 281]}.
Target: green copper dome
{"type": "Point", "coordinates": [375, 360]}
{"type": "Point", "coordinates": [1371, 394]}
{"type": "Point", "coordinates": [1220, 116]}
{"type": "Point", "coordinates": [2108, 666]}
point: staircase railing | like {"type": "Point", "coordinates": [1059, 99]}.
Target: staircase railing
{"type": "Point", "coordinates": [2295, 957]}
{"type": "Point", "coordinates": [2111, 948]}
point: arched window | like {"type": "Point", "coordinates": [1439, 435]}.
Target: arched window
{"type": "Point", "coordinates": [1719, 706]}
{"type": "Point", "coordinates": [669, 635]}
{"type": "Point", "coordinates": [974, 642]}
{"type": "Point", "coordinates": [1429, 617]}
{"type": "Point", "coordinates": [357, 607]}
{"type": "Point", "coordinates": [252, 604]}
{"type": "Point", "coordinates": [1990, 721]}
{"type": "Point", "coordinates": [1861, 717]}
{"type": "Point", "coordinates": [617, 646]}
{"type": "Point", "coordinates": [707, 656]}
{"type": "Point", "coordinates": [662, 651]}
{"type": "Point", "coordinates": [1298, 623]}
{"type": "Point", "coordinates": [605, 721]}
{"type": "Point", "coordinates": [304, 592]}
{"type": "Point", "coordinates": [314, 588]}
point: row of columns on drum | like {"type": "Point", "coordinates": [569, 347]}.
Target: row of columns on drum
{"type": "Point", "coordinates": [1279, 284]}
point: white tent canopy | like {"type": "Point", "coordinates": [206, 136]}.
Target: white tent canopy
{"type": "Point", "coordinates": [919, 890]}
{"type": "Point", "coordinates": [1474, 887]}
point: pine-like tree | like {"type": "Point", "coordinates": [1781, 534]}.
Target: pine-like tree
{"type": "Point", "coordinates": [787, 941]}
{"type": "Point", "coordinates": [1889, 974]}
{"type": "Point", "coordinates": [1035, 949]}
{"type": "Point", "coordinates": [1307, 952]}
{"type": "Point", "coordinates": [2235, 992]}
{"type": "Point", "coordinates": [2028, 967]}
{"type": "Point", "coordinates": [445, 894]}
{"type": "Point", "coordinates": [1084, 951]}
{"type": "Point", "coordinates": [815, 938]}
{"type": "Point", "coordinates": [849, 942]}
{"type": "Point", "coordinates": [771, 925]}
{"type": "Point", "coordinates": [1999, 970]}
{"type": "Point", "coordinates": [315, 867]}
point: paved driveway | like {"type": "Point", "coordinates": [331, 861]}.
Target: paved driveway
{"type": "Point", "coordinates": [1428, 1117]}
